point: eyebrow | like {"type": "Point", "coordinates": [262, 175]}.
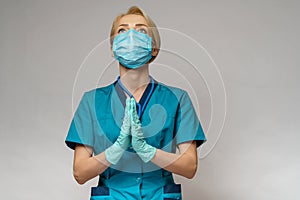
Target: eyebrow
{"type": "Point", "coordinates": [135, 25]}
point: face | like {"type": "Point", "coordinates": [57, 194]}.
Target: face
{"type": "Point", "coordinates": [136, 22]}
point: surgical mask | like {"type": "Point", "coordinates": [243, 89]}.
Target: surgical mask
{"type": "Point", "coordinates": [132, 49]}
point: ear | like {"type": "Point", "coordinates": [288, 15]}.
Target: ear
{"type": "Point", "coordinates": [154, 52]}
{"type": "Point", "coordinates": [111, 52]}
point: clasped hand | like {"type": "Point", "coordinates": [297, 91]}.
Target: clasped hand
{"type": "Point", "coordinates": [131, 126]}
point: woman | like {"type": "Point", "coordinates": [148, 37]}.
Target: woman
{"type": "Point", "coordinates": [127, 132]}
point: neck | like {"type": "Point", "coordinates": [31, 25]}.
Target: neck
{"type": "Point", "coordinates": [135, 80]}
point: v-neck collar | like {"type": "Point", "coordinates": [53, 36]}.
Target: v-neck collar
{"type": "Point", "coordinates": [120, 89]}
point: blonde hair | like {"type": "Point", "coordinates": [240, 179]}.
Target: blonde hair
{"type": "Point", "coordinates": [153, 31]}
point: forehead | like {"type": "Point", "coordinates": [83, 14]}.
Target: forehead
{"type": "Point", "coordinates": [132, 19]}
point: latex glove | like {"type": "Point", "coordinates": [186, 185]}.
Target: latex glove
{"type": "Point", "coordinates": [144, 150]}
{"type": "Point", "coordinates": [115, 151]}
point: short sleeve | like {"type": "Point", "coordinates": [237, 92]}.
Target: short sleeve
{"type": "Point", "coordinates": [81, 127]}
{"type": "Point", "coordinates": [188, 126]}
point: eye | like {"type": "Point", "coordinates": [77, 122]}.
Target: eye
{"type": "Point", "coordinates": [121, 30]}
{"type": "Point", "coordinates": [142, 30]}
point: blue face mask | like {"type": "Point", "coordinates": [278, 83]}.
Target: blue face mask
{"type": "Point", "coordinates": [132, 49]}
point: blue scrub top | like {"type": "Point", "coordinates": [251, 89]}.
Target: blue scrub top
{"type": "Point", "coordinates": [167, 115]}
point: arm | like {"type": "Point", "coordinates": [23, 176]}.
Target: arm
{"type": "Point", "coordinates": [184, 164]}
{"type": "Point", "coordinates": [86, 166]}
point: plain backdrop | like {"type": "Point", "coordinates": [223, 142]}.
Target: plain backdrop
{"type": "Point", "coordinates": [254, 44]}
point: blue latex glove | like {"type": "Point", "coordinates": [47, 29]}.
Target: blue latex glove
{"type": "Point", "coordinates": [115, 151]}
{"type": "Point", "coordinates": [144, 150]}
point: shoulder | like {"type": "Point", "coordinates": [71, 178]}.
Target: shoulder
{"type": "Point", "coordinates": [171, 90]}
{"type": "Point", "coordinates": [99, 91]}
{"type": "Point", "coordinates": [102, 90]}
{"type": "Point", "coordinates": [97, 95]}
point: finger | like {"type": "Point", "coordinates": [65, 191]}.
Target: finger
{"type": "Point", "coordinates": [132, 103]}
{"type": "Point", "coordinates": [134, 111]}
{"type": "Point", "coordinates": [127, 107]}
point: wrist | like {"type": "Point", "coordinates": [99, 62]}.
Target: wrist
{"type": "Point", "coordinates": [114, 153]}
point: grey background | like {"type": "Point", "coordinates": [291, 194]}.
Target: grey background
{"type": "Point", "coordinates": [255, 44]}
